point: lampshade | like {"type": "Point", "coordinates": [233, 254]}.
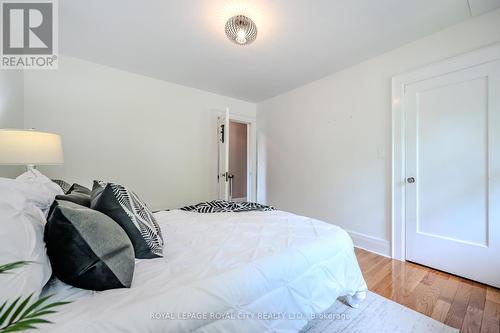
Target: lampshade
{"type": "Point", "coordinates": [27, 147]}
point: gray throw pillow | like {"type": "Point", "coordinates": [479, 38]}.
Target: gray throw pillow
{"type": "Point", "coordinates": [87, 249]}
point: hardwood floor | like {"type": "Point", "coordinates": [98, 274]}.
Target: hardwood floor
{"type": "Point", "coordinates": [455, 301]}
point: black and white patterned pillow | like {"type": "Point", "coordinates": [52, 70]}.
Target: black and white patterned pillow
{"type": "Point", "coordinates": [65, 186]}
{"type": "Point", "coordinates": [223, 206]}
{"type": "Point", "coordinates": [132, 214]}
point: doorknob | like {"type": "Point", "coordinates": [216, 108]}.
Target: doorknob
{"type": "Point", "coordinates": [410, 180]}
{"type": "Point", "coordinates": [231, 187]}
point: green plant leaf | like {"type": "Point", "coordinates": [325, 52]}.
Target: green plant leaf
{"type": "Point", "coordinates": [17, 328]}
{"type": "Point", "coordinates": [1, 308]}
{"type": "Point", "coordinates": [51, 305]}
{"type": "Point", "coordinates": [19, 309]}
{"type": "Point", "coordinates": [25, 324]}
{"type": "Point", "coordinates": [35, 305]}
{"type": "Point", "coordinates": [20, 321]}
{"type": "Point", "coordinates": [13, 265]}
{"type": "Point", "coordinates": [35, 321]}
{"type": "Point", "coordinates": [8, 311]}
{"type": "Point", "coordinates": [20, 316]}
{"type": "Point", "coordinates": [41, 313]}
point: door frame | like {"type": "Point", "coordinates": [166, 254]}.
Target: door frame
{"type": "Point", "coordinates": [399, 83]}
{"type": "Point", "coordinates": [251, 123]}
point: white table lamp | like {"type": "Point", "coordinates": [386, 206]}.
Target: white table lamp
{"type": "Point", "coordinates": [30, 148]}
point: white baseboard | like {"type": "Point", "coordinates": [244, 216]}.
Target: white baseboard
{"type": "Point", "coordinates": [370, 243]}
{"type": "Point", "coordinates": [239, 199]}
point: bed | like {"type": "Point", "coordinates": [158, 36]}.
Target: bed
{"type": "Point", "coordinates": [224, 272]}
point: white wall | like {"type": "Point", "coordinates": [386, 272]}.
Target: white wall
{"type": "Point", "coordinates": [325, 148]}
{"type": "Point", "coordinates": [11, 109]}
{"type": "Point", "coordinates": [157, 137]}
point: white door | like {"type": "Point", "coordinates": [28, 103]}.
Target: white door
{"type": "Point", "coordinates": [453, 172]}
{"type": "Point", "coordinates": [223, 176]}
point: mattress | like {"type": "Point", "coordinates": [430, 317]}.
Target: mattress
{"type": "Point", "coordinates": [223, 272]}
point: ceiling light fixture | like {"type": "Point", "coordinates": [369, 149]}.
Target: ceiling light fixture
{"type": "Point", "coordinates": [241, 30]}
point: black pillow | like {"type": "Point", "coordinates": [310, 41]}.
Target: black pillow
{"type": "Point", "coordinates": [87, 249]}
{"type": "Point", "coordinates": [132, 214]}
{"type": "Point", "coordinates": [78, 194]}
{"type": "Point", "coordinates": [78, 198]}
{"type": "Point", "coordinates": [77, 188]}
{"type": "Point", "coordinates": [97, 189]}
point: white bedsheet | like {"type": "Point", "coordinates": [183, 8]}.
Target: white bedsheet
{"type": "Point", "coordinates": [234, 272]}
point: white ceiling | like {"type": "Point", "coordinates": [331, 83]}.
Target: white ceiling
{"type": "Point", "coordinates": [298, 41]}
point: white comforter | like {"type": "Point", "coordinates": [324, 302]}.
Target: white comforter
{"type": "Point", "coordinates": [225, 272]}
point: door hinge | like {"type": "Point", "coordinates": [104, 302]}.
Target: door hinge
{"type": "Point", "coordinates": [222, 133]}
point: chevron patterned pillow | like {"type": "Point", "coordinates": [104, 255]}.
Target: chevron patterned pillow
{"type": "Point", "coordinates": [132, 214]}
{"type": "Point", "coordinates": [65, 186]}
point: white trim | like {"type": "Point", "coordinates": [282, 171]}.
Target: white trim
{"type": "Point", "coordinates": [370, 243]}
{"type": "Point", "coordinates": [240, 199]}
{"type": "Point", "coordinates": [399, 83]}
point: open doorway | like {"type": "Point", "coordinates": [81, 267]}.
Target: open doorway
{"type": "Point", "coordinates": [236, 157]}
{"type": "Point", "coordinates": [238, 160]}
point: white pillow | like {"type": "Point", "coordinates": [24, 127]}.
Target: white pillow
{"type": "Point", "coordinates": [21, 239]}
{"type": "Point", "coordinates": [35, 187]}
